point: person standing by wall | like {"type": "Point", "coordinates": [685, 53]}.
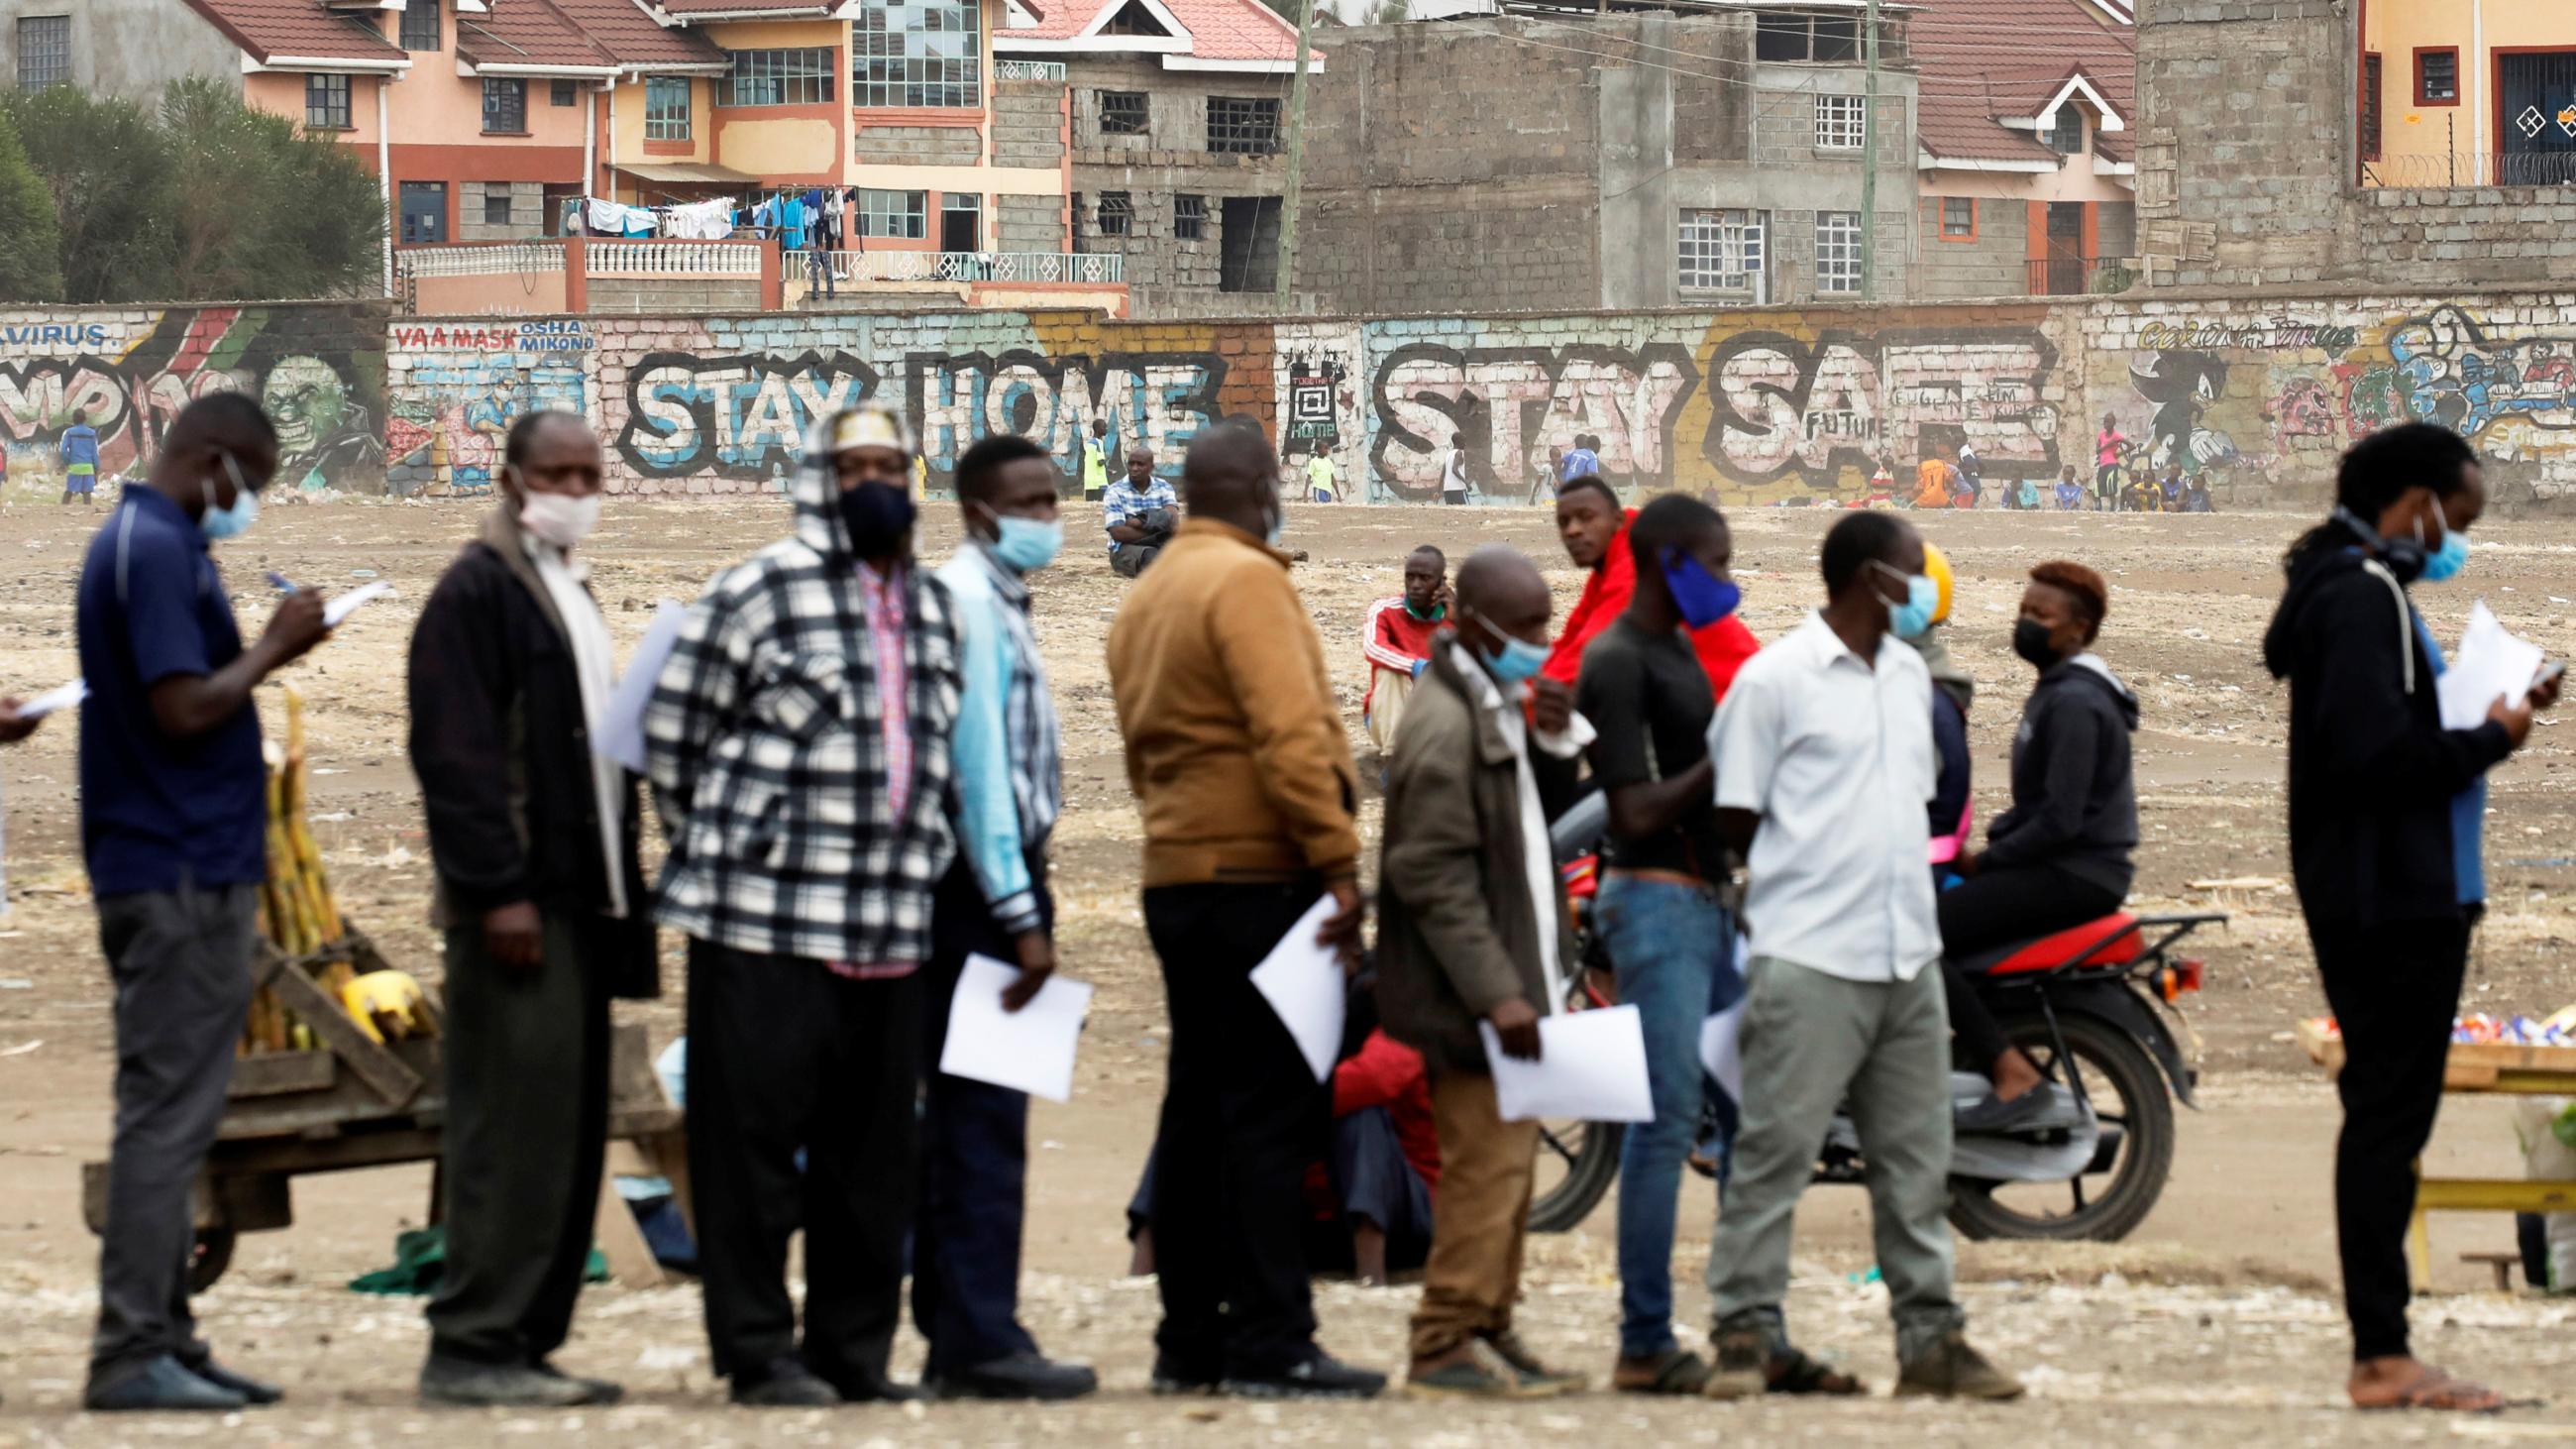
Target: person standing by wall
{"type": "Point", "coordinates": [1454, 487]}
{"type": "Point", "coordinates": [1396, 640]}
{"type": "Point", "coordinates": [1236, 751]}
{"type": "Point", "coordinates": [2385, 812]}
{"type": "Point", "coordinates": [78, 449]}
{"type": "Point", "coordinates": [2108, 445]}
{"type": "Point", "coordinates": [174, 826]}
{"type": "Point", "coordinates": [1095, 461]}
{"type": "Point", "coordinates": [533, 834]}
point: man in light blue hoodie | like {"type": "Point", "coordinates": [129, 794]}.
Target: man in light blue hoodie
{"type": "Point", "coordinates": [993, 902]}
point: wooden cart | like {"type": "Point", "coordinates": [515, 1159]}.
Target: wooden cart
{"type": "Point", "coordinates": [358, 1102]}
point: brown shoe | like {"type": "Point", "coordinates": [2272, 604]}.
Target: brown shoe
{"type": "Point", "coordinates": [1954, 1370]}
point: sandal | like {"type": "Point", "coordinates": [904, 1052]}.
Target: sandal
{"type": "Point", "coordinates": [1793, 1371]}
{"type": "Point", "coordinates": [2441, 1393]}
{"type": "Point", "coordinates": [1678, 1372]}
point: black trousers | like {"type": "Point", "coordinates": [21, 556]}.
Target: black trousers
{"type": "Point", "coordinates": [1242, 1116]}
{"type": "Point", "coordinates": [1996, 908]}
{"type": "Point", "coordinates": [974, 1156]}
{"type": "Point", "coordinates": [526, 1056]}
{"type": "Point", "coordinates": [181, 964]}
{"type": "Point", "coordinates": [2394, 988]}
{"type": "Point", "coordinates": [785, 1056]}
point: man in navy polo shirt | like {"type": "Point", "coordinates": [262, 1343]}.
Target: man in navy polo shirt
{"type": "Point", "coordinates": [174, 821]}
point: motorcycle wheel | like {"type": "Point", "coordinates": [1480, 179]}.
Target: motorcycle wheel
{"type": "Point", "coordinates": [2127, 1091]}
{"type": "Point", "coordinates": [1577, 1162]}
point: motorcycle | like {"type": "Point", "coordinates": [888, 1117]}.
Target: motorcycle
{"type": "Point", "coordinates": [2083, 1003]}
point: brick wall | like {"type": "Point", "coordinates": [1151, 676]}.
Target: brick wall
{"type": "Point", "coordinates": [526, 201]}
{"type": "Point", "coordinates": [1995, 263]}
{"type": "Point", "coordinates": [1028, 123]}
{"type": "Point", "coordinates": [921, 145]}
{"type": "Point", "coordinates": [1167, 160]}
{"type": "Point", "coordinates": [1029, 224]}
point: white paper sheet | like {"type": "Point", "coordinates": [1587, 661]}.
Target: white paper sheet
{"type": "Point", "coordinates": [1303, 982]}
{"type": "Point", "coordinates": [339, 608]}
{"type": "Point", "coordinates": [60, 697]}
{"type": "Point", "coordinates": [1591, 1067]}
{"type": "Point", "coordinates": [621, 729]}
{"type": "Point", "coordinates": [1721, 1046]}
{"type": "Point", "coordinates": [1029, 1050]}
{"type": "Point", "coordinates": [2489, 663]}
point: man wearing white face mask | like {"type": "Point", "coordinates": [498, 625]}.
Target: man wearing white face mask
{"type": "Point", "coordinates": [540, 894]}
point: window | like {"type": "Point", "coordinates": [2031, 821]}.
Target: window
{"type": "Point", "coordinates": [496, 203]}
{"type": "Point", "coordinates": [1117, 214]}
{"type": "Point", "coordinates": [918, 53]}
{"type": "Point", "coordinates": [1189, 217]}
{"type": "Point", "coordinates": [1838, 251]}
{"type": "Point", "coordinates": [2374, 75]}
{"type": "Point", "coordinates": [424, 212]}
{"type": "Point", "coordinates": [1806, 37]}
{"type": "Point", "coordinates": [894, 214]}
{"type": "Point", "coordinates": [666, 108]}
{"type": "Point", "coordinates": [2437, 76]}
{"type": "Point", "coordinates": [1721, 250]}
{"type": "Point", "coordinates": [1238, 126]}
{"type": "Point", "coordinates": [1958, 218]}
{"type": "Point", "coordinates": [420, 29]}
{"type": "Point", "coordinates": [2066, 134]}
{"type": "Point", "coordinates": [326, 103]}
{"type": "Point", "coordinates": [1122, 113]}
{"type": "Point", "coordinates": [1840, 122]}
{"type": "Point", "coordinates": [505, 106]}
{"type": "Point", "coordinates": [803, 77]}
{"type": "Point", "coordinates": [44, 51]}
{"type": "Point", "coordinates": [563, 93]}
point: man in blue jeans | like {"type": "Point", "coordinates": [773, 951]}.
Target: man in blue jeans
{"type": "Point", "coordinates": [1670, 939]}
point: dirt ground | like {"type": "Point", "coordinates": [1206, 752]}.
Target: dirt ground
{"type": "Point", "coordinates": [2216, 1321]}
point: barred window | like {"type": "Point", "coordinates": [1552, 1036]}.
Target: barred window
{"type": "Point", "coordinates": [326, 102]}
{"type": "Point", "coordinates": [894, 213]}
{"type": "Point", "coordinates": [1189, 217]}
{"type": "Point", "coordinates": [420, 29]}
{"type": "Point", "coordinates": [2066, 134]}
{"type": "Point", "coordinates": [1122, 113]}
{"type": "Point", "coordinates": [918, 53]}
{"type": "Point", "coordinates": [496, 203]}
{"type": "Point", "coordinates": [666, 108]}
{"type": "Point", "coordinates": [1117, 214]}
{"type": "Point", "coordinates": [1721, 250]}
{"type": "Point", "coordinates": [1841, 122]}
{"type": "Point", "coordinates": [1243, 126]}
{"type": "Point", "coordinates": [1958, 217]}
{"type": "Point", "coordinates": [44, 51]}
{"type": "Point", "coordinates": [505, 106]}
{"type": "Point", "coordinates": [1838, 251]}
{"type": "Point", "coordinates": [564, 93]}
{"type": "Point", "coordinates": [800, 77]}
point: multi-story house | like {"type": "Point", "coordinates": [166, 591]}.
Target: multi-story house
{"type": "Point", "coordinates": [2467, 93]}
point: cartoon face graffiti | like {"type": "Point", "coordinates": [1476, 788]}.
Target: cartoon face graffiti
{"type": "Point", "coordinates": [304, 399]}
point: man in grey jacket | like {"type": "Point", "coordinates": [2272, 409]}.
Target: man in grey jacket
{"type": "Point", "coordinates": [1472, 931]}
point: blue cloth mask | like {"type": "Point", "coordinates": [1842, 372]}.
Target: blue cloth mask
{"type": "Point", "coordinates": [233, 522]}
{"type": "Point", "coordinates": [2446, 561]}
{"type": "Point", "coordinates": [1913, 618]}
{"type": "Point", "coordinates": [1027, 544]}
{"type": "Point", "coordinates": [1703, 597]}
{"type": "Point", "coordinates": [1513, 660]}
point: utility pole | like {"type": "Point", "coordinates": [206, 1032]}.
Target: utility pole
{"type": "Point", "coordinates": [1869, 154]}
{"type": "Point", "coordinates": [1287, 269]}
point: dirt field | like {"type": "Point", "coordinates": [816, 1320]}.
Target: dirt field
{"type": "Point", "coordinates": [2216, 1321]}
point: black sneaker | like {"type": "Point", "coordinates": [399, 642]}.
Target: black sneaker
{"type": "Point", "coordinates": [784, 1383]}
{"type": "Point", "coordinates": [1318, 1376]}
{"type": "Point", "coordinates": [603, 1392]}
{"type": "Point", "coordinates": [463, 1384]}
{"type": "Point", "coordinates": [1172, 1378]}
{"type": "Point", "coordinates": [162, 1385]}
{"type": "Point", "coordinates": [1024, 1376]}
{"type": "Point", "coordinates": [249, 1388]}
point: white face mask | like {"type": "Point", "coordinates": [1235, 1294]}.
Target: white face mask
{"type": "Point", "coordinates": [559, 518]}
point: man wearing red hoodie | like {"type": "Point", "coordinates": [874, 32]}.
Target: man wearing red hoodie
{"type": "Point", "coordinates": [1595, 531]}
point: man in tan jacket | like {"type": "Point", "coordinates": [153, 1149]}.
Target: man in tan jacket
{"type": "Point", "coordinates": [1236, 753]}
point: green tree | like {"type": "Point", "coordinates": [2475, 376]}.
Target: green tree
{"type": "Point", "coordinates": [265, 210]}
{"type": "Point", "coordinates": [30, 244]}
{"type": "Point", "coordinates": [112, 174]}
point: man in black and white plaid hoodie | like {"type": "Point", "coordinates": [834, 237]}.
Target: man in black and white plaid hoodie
{"type": "Point", "coordinates": [798, 742]}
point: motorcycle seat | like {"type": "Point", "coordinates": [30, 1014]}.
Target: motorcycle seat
{"type": "Point", "coordinates": [2059, 950]}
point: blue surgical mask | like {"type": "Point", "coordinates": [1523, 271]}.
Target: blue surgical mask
{"type": "Point", "coordinates": [2446, 560]}
{"type": "Point", "coordinates": [1026, 544]}
{"type": "Point", "coordinates": [1703, 597]}
{"type": "Point", "coordinates": [1514, 660]}
{"type": "Point", "coordinates": [233, 522]}
{"type": "Point", "coordinates": [1913, 618]}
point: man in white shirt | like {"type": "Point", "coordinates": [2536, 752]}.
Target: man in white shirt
{"type": "Point", "coordinates": [1825, 765]}
{"type": "Point", "coordinates": [1453, 471]}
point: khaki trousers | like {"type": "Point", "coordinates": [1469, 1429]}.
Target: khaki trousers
{"type": "Point", "coordinates": [1479, 1216]}
{"type": "Point", "coordinates": [1393, 689]}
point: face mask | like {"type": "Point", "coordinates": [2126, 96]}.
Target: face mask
{"type": "Point", "coordinates": [1913, 618]}
{"type": "Point", "coordinates": [878, 516]}
{"type": "Point", "coordinates": [1027, 544]}
{"type": "Point", "coordinates": [2030, 641]}
{"type": "Point", "coordinates": [559, 518]}
{"type": "Point", "coordinates": [2445, 561]}
{"type": "Point", "coordinates": [230, 522]}
{"type": "Point", "coordinates": [1703, 597]}
{"type": "Point", "coordinates": [1514, 660]}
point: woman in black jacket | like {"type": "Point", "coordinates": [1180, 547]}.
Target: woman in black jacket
{"type": "Point", "coordinates": [2384, 811]}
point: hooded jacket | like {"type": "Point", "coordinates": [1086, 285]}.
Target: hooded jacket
{"type": "Point", "coordinates": [1722, 647]}
{"type": "Point", "coordinates": [2372, 771]}
{"type": "Point", "coordinates": [2075, 803]}
{"type": "Point", "coordinates": [763, 743]}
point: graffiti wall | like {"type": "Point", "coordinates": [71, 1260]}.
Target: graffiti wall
{"type": "Point", "coordinates": [319, 369]}
{"type": "Point", "coordinates": [457, 387]}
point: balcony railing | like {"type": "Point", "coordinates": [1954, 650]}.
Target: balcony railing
{"type": "Point", "coordinates": [497, 260]}
{"type": "Point", "coordinates": [2439, 169]}
{"type": "Point", "coordinates": [2078, 275]}
{"type": "Point", "coordinates": [959, 268]}
{"type": "Point", "coordinates": [675, 259]}
{"type": "Point", "coordinates": [1028, 70]}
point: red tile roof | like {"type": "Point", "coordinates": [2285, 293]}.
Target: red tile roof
{"type": "Point", "coordinates": [621, 28]}
{"type": "Point", "coordinates": [718, 9]}
{"type": "Point", "coordinates": [1218, 29]}
{"type": "Point", "coordinates": [1981, 60]}
{"type": "Point", "coordinates": [296, 29]}
{"type": "Point", "coordinates": [526, 33]}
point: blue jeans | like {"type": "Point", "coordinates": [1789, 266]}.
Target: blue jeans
{"type": "Point", "coordinates": [1673, 948]}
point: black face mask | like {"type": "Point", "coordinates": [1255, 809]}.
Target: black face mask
{"type": "Point", "coordinates": [2030, 641]}
{"type": "Point", "coordinates": [878, 516]}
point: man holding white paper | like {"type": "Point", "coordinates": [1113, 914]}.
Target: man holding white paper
{"type": "Point", "coordinates": [993, 902]}
{"type": "Point", "coordinates": [1473, 934]}
{"type": "Point", "coordinates": [533, 833]}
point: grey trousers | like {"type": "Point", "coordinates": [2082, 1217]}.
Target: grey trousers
{"type": "Point", "coordinates": [180, 961]}
{"type": "Point", "coordinates": [1812, 1043]}
{"type": "Point", "coordinates": [526, 1056]}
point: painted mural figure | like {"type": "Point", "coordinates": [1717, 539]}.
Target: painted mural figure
{"type": "Point", "coordinates": [322, 433]}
